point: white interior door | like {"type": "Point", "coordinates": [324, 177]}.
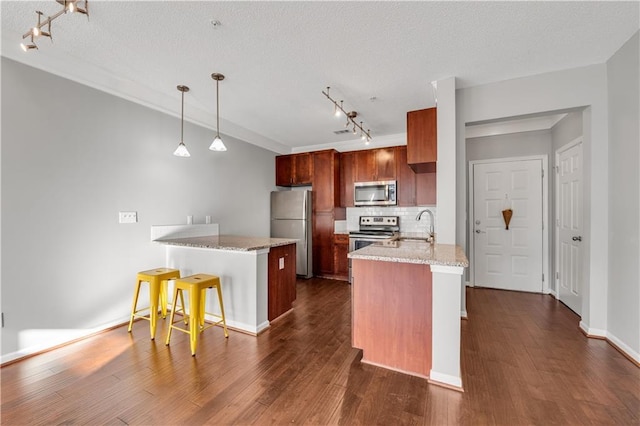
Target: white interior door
{"type": "Point", "coordinates": [509, 259]}
{"type": "Point", "coordinates": [569, 225]}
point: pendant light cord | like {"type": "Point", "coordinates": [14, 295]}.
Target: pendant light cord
{"type": "Point", "coordinates": [182, 120]}
{"type": "Point", "coordinates": [217, 109]}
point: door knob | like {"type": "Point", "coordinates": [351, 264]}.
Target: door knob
{"type": "Point", "coordinates": [577, 238]}
{"type": "Point", "coordinates": [478, 231]}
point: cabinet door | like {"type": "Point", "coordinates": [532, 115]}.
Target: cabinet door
{"type": "Point", "coordinates": [281, 282]}
{"type": "Point", "coordinates": [302, 169]}
{"type": "Point", "coordinates": [340, 260]}
{"type": "Point", "coordinates": [323, 244]}
{"type": "Point", "coordinates": [365, 165]}
{"type": "Point", "coordinates": [406, 179]}
{"type": "Point", "coordinates": [422, 139]}
{"type": "Point", "coordinates": [385, 163]}
{"type": "Point", "coordinates": [346, 179]}
{"type": "Point", "coordinates": [326, 180]}
{"type": "Point", "coordinates": [426, 189]}
{"type": "Point", "coordinates": [284, 170]}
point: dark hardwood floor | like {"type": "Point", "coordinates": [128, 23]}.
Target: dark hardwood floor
{"type": "Point", "coordinates": [524, 361]}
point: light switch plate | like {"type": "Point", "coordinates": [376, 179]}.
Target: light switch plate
{"type": "Point", "coordinates": [127, 217]}
{"type": "Point", "coordinates": [281, 263]}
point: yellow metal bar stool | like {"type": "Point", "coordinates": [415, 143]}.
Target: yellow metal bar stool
{"type": "Point", "coordinates": [196, 286]}
{"type": "Point", "coordinates": [158, 282]}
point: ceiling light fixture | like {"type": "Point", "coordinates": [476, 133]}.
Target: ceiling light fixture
{"type": "Point", "coordinates": [182, 151]}
{"type": "Point", "coordinates": [351, 115]}
{"type": "Point", "coordinates": [217, 144]}
{"type": "Point", "coordinates": [70, 6]}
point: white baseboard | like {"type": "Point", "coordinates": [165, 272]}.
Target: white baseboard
{"type": "Point", "coordinates": [468, 284]}
{"type": "Point", "coordinates": [624, 347]}
{"type": "Point", "coordinates": [50, 339]}
{"type": "Point", "coordinates": [593, 332]}
{"type": "Point", "coordinates": [445, 380]}
{"type": "Point", "coordinates": [463, 314]}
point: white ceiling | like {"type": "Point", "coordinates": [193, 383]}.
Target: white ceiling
{"type": "Point", "coordinates": [278, 56]}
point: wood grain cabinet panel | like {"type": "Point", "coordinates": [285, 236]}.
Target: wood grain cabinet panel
{"type": "Point", "coordinates": [323, 259]}
{"type": "Point", "coordinates": [294, 169]}
{"type": "Point", "coordinates": [385, 164]}
{"type": "Point", "coordinates": [347, 165]}
{"type": "Point", "coordinates": [422, 140]}
{"type": "Point", "coordinates": [281, 282]}
{"type": "Point", "coordinates": [365, 170]}
{"type": "Point", "coordinates": [406, 179]}
{"type": "Point", "coordinates": [426, 189]}
{"type": "Point", "coordinates": [340, 260]}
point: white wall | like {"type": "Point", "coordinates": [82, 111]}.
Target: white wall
{"type": "Point", "coordinates": [584, 87]}
{"type": "Point", "coordinates": [624, 197]}
{"type": "Point", "coordinates": [72, 157]}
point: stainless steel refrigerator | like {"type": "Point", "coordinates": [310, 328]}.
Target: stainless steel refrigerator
{"type": "Point", "coordinates": [291, 218]}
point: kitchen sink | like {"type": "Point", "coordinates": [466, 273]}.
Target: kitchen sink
{"type": "Point", "coordinates": [417, 239]}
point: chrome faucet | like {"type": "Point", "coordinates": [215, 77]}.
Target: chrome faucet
{"type": "Point", "coordinates": [432, 236]}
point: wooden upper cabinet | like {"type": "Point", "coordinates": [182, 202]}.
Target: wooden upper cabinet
{"type": "Point", "coordinates": [385, 164]}
{"type": "Point", "coordinates": [326, 180]}
{"type": "Point", "coordinates": [347, 171]}
{"type": "Point", "coordinates": [375, 164]}
{"type": "Point", "coordinates": [422, 140]}
{"type": "Point", "coordinates": [294, 169]}
{"type": "Point", "coordinates": [302, 169]}
{"type": "Point", "coordinates": [365, 170]}
{"type": "Point", "coordinates": [284, 171]}
{"type": "Point", "coordinates": [406, 179]}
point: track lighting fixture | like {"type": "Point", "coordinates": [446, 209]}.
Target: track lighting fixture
{"type": "Point", "coordinates": [351, 115]}
{"type": "Point", "coordinates": [182, 151]}
{"type": "Point", "coordinates": [68, 6]}
{"type": "Point", "coordinates": [30, 46]}
{"type": "Point", "coordinates": [217, 144]}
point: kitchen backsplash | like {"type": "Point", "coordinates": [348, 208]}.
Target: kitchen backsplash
{"type": "Point", "coordinates": [407, 215]}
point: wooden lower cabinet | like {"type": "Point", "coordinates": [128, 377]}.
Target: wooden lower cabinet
{"type": "Point", "coordinates": [281, 282]}
{"type": "Point", "coordinates": [392, 315]}
{"type": "Point", "coordinates": [323, 227]}
{"type": "Point", "coordinates": [340, 260]}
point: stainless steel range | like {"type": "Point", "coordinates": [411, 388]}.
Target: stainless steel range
{"type": "Point", "coordinates": [372, 229]}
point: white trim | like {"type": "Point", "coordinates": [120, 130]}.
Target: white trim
{"type": "Point", "coordinates": [592, 332]}
{"type": "Point", "coordinates": [545, 214]}
{"type": "Point", "coordinates": [556, 234]}
{"type": "Point", "coordinates": [463, 314]}
{"type": "Point", "coordinates": [446, 379]}
{"type": "Point", "coordinates": [446, 269]}
{"type": "Point", "coordinates": [381, 141]}
{"type": "Point", "coordinates": [77, 334]}
{"type": "Point", "coordinates": [624, 347]}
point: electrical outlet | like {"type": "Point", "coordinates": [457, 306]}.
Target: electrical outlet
{"type": "Point", "coordinates": [128, 217]}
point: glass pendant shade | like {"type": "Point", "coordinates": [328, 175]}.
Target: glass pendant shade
{"type": "Point", "coordinates": [181, 151]}
{"type": "Point", "coordinates": [217, 144]}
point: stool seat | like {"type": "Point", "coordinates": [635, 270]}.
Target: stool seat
{"type": "Point", "coordinates": [158, 279]}
{"type": "Point", "coordinates": [196, 286]}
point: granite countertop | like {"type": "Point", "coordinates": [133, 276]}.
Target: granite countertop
{"type": "Point", "coordinates": [393, 250]}
{"type": "Point", "coordinates": [227, 242]}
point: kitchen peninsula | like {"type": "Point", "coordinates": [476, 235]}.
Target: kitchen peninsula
{"type": "Point", "coordinates": [400, 319]}
{"type": "Point", "coordinates": [258, 274]}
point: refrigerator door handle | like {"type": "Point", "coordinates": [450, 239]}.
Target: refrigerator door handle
{"type": "Point", "coordinates": [304, 232]}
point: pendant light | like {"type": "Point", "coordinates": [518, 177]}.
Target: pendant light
{"type": "Point", "coordinates": [217, 144]}
{"type": "Point", "coordinates": [182, 151]}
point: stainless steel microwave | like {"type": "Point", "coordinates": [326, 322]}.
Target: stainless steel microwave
{"type": "Point", "coordinates": [380, 193]}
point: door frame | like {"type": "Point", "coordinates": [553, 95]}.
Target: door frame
{"type": "Point", "coordinates": [546, 289]}
{"type": "Point", "coordinates": [556, 235]}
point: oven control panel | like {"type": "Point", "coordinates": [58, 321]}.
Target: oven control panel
{"type": "Point", "coordinates": [384, 221]}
